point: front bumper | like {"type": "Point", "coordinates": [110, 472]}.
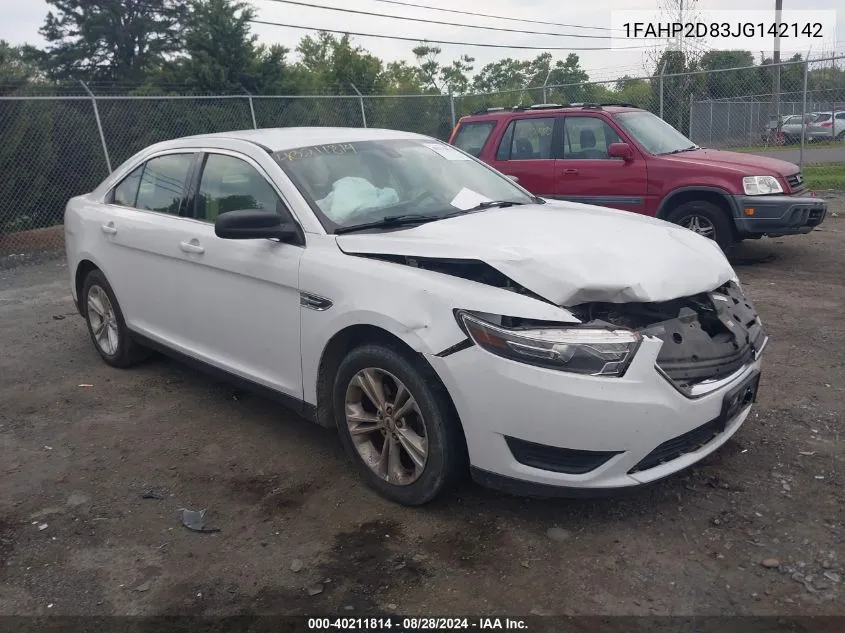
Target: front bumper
{"type": "Point", "coordinates": [619, 423]}
{"type": "Point", "coordinates": [778, 214]}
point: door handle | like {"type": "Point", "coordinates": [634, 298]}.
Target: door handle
{"type": "Point", "coordinates": [191, 247]}
{"type": "Point", "coordinates": [108, 229]}
{"type": "Point", "coordinates": [570, 171]}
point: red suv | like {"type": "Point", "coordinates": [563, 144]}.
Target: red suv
{"type": "Point", "coordinates": [620, 156]}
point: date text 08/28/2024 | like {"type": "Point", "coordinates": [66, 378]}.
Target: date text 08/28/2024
{"type": "Point", "coordinates": [409, 624]}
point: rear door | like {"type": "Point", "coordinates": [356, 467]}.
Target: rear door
{"type": "Point", "coordinates": [526, 152]}
{"type": "Point", "coordinates": [584, 172]}
{"type": "Point", "coordinates": [142, 228]}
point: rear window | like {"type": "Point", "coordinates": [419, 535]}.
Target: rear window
{"type": "Point", "coordinates": [471, 137]}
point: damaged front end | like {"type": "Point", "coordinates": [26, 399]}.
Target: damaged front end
{"type": "Point", "coordinates": [708, 338]}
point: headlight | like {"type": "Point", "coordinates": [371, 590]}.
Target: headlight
{"type": "Point", "coordinates": [577, 349]}
{"type": "Point", "coordinates": [761, 185]}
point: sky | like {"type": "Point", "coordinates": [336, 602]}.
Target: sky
{"type": "Point", "coordinates": [22, 19]}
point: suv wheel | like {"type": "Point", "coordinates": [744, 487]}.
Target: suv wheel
{"type": "Point", "coordinates": [397, 424]}
{"type": "Point", "coordinates": [704, 218]}
{"type": "Point", "coordinates": [106, 326]}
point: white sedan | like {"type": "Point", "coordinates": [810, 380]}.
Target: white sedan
{"type": "Point", "coordinates": [442, 317]}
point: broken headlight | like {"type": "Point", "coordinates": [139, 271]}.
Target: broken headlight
{"type": "Point", "coordinates": [761, 185]}
{"type": "Point", "coordinates": [577, 349]}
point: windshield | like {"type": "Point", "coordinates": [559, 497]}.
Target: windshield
{"type": "Point", "coordinates": [350, 184]}
{"type": "Point", "coordinates": [653, 133]}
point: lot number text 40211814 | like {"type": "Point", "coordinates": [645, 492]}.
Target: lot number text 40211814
{"type": "Point", "coordinates": [411, 624]}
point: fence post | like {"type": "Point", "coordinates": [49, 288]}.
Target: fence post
{"type": "Point", "coordinates": [662, 68]}
{"type": "Point", "coordinates": [710, 126]}
{"type": "Point", "coordinates": [804, 115]}
{"type": "Point", "coordinates": [545, 83]}
{"type": "Point", "coordinates": [689, 129]}
{"type": "Point", "coordinates": [452, 107]}
{"type": "Point", "coordinates": [99, 124]}
{"type": "Point", "coordinates": [361, 101]}
{"type": "Point", "coordinates": [251, 108]}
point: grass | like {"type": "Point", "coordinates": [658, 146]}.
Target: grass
{"type": "Point", "coordinates": [825, 176]}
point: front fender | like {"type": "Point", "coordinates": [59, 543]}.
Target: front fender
{"type": "Point", "coordinates": [415, 305]}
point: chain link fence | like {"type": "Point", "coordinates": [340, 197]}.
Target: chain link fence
{"type": "Point", "coordinates": [57, 147]}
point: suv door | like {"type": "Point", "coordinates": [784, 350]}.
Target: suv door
{"type": "Point", "coordinates": [142, 225]}
{"type": "Point", "coordinates": [584, 172]}
{"type": "Point", "coordinates": [241, 297]}
{"type": "Point", "coordinates": [526, 152]}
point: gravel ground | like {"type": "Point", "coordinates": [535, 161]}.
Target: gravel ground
{"type": "Point", "coordinates": [757, 528]}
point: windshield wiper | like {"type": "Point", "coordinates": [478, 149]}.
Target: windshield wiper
{"type": "Point", "coordinates": [685, 149]}
{"type": "Point", "coordinates": [489, 204]}
{"type": "Point", "coordinates": [406, 219]}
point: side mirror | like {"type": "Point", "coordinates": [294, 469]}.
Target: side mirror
{"type": "Point", "coordinates": [514, 178]}
{"type": "Point", "coordinates": [254, 224]}
{"type": "Point", "coordinates": [620, 150]}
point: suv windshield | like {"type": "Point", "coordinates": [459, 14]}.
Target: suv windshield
{"type": "Point", "coordinates": [393, 181]}
{"type": "Point", "coordinates": [653, 133]}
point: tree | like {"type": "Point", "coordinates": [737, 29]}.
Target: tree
{"type": "Point", "coordinates": [730, 83]}
{"type": "Point", "coordinates": [452, 78]}
{"type": "Point", "coordinates": [221, 51]}
{"type": "Point", "coordinates": [16, 67]}
{"type": "Point", "coordinates": [335, 64]}
{"type": "Point", "coordinates": [110, 40]}
{"type": "Point", "coordinates": [682, 12]}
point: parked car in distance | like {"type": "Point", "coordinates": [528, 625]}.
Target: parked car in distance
{"type": "Point", "coordinates": [629, 159]}
{"type": "Point", "coordinates": [827, 126]}
{"type": "Point", "coordinates": [790, 129]}
{"type": "Point", "coordinates": [440, 316]}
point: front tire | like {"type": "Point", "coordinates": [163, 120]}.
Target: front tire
{"type": "Point", "coordinates": [704, 218]}
{"type": "Point", "coordinates": [106, 325]}
{"type": "Point", "coordinates": [397, 424]}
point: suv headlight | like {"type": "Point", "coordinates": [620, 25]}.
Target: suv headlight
{"type": "Point", "coordinates": [761, 185]}
{"type": "Point", "coordinates": [577, 349]}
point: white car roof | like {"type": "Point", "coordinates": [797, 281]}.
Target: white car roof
{"type": "Point", "coordinates": [283, 138]}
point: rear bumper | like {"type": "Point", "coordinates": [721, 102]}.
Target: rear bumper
{"type": "Point", "coordinates": [778, 215]}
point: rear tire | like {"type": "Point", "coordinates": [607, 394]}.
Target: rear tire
{"type": "Point", "coordinates": [397, 424]}
{"type": "Point", "coordinates": [106, 325]}
{"type": "Point", "coordinates": [705, 218]}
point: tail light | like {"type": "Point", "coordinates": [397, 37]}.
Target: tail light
{"type": "Point", "coordinates": [826, 124]}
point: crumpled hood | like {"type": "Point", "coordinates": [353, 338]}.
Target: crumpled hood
{"type": "Point", "coordinates": [568, 253]}
{"type": "Point", "coordinates": [746, 164]}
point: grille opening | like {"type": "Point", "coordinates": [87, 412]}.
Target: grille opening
{"type": "Point", "coordinates": [710, 335]}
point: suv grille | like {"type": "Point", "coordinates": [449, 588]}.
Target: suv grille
{"type": "Point", "coordinates": [796, 181]}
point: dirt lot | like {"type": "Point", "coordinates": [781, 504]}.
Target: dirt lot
{"type": "Point", "coordinates": [77, 535]}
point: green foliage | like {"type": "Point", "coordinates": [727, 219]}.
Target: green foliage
{"type": "Point", "coordinates": [52, 151]}
{"type": "Point", "coordinates": [110, 40]}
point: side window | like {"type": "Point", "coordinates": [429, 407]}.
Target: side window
{"type": "Point", "coordinates": [471, 137]}
{"type": "Point", "coordinates": [587, 138]}
{"type": "Point", "coordinates": [528, 139]}
{"type": "Point", "coordinates": [231, 184]}
{"type": "Point", "coordinates": [126, 192]}
{"type": "Point", "coordinates": [163, 183]}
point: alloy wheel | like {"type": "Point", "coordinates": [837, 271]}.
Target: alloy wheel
{"type": "Point", "coordinates": [103, 320]}
{"type": "Point", "coordinates": [699, 224]}
{"type": "Point", "coordinates": [386, 426]}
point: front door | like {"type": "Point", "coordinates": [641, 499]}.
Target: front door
{"type": "Point", "coordinates": [584, 172]}
{"type": "Point", "coordinates": [241, 296]}
{"type": "Point", "coordinates": [525, 152]}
